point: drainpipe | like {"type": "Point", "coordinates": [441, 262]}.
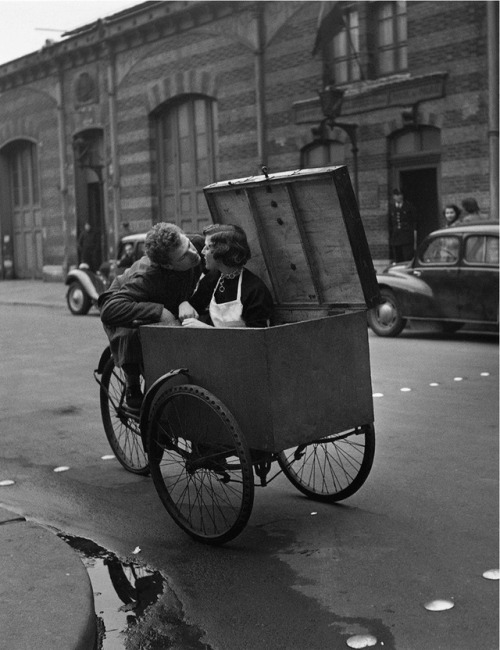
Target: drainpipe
{"type": "Point", "coordinates": [492, 16]}
{"type": "Point", "coordinates": [115, 167]}
{"type": "Point", "coordinates": [260, 84]}
{"type": "Point", "coordinates": [63, 183]}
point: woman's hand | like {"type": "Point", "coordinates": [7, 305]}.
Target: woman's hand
{"type": "Point", "coordinates": [186, 310]}
{"type": "Point", "coordinates": [194, 322]}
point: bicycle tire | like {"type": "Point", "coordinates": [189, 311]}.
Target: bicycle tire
{"type": "Point", "coordinates": [332, 468]}
{"type": "Point", "coordinates": [200, 463]}
{"type": "Point", "coordinates": [120, 425]}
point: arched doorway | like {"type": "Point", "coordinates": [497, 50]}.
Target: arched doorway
{"type": "Point", "coordinates": [414, 167]}
{"type": "Point", "coordinates": [89, 194]}
{"type": "Point", "coordinates": [21, 222]}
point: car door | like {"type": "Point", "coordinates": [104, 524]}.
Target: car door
{"type": "Point", "coordinates": [479, 287]}
{"type": "Point", "coordinates": [437, 266]}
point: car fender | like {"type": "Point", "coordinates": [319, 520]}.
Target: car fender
{"type": "Point", "coordinates": [152, 393]}
{"type": "Point", "coordinates": [83, 278]}
{"type": "Point", "coordinates": [405, 287]}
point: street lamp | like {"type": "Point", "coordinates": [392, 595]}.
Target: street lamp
{"type": "Point", "coordinates": [331, 99]}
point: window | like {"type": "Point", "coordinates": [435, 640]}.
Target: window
{"type": "Point", "coordinates": [441, 250]}
{"type": "Point", "coordinates": [481, 250]}
{"type": "Point", "coordinates": [343, 50]}
{"type": "Point", "coordinates": [323, 154]}
{"type": "Point", "coordinates": [186, 137]}
{"type": "Point", "coordinates": [392, 54]}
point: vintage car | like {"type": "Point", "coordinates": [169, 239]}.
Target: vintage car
{"type": "Point", "coordinates": [453, 280]}
{"type": "Point", "coordinates": [85, 286]}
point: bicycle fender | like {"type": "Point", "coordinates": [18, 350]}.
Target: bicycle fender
{"type": "Point", "coordinates": [105, 356]}
{"type": "Point", "coordinates": [150, 396]}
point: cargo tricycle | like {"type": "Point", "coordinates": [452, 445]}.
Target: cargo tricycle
{"type": "Point", "coordinates": [226, 410]}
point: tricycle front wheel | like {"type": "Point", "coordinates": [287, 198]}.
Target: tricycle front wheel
{"type": "Point", "coordinates": [332, 468]}
{"type": "Point", "coordinates": [200, 463]}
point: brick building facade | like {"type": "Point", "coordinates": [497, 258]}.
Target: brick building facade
{"type": "Point", "coordinates": [123, 121]}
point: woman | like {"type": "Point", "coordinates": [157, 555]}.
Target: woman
{"type": "Point", "coordinates": [229, 294]}
{"type": "Point", "coordinates": [451, 214]}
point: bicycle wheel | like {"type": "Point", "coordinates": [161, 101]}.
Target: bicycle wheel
{"type": "Point", "coordinates": [333, 468]}
{"type": "Point", "coordinates": [200, 464]}
{"type": "Point", "coordinates": [121, 426]}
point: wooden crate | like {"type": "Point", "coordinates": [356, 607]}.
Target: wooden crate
{"type": "Point", "coordinates": [285, 385]}
{"type": "Point", "coordinates": [308, 376]}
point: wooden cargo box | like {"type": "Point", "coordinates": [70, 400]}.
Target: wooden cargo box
{"type": "Point", "coordinates": [309, 374]}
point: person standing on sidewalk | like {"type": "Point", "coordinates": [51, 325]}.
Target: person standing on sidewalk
{"type": "Point", "coordinates": [402, 228]}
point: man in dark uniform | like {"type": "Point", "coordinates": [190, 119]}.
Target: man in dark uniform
{"type": "Point", "coordinates": [402, 228]}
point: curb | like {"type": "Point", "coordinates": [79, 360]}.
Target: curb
{"type": "Point", "coordinates": [46, 597]}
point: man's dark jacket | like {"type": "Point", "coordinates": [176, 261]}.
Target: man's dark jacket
{"type": "Point", "coordinates": [139, 295]}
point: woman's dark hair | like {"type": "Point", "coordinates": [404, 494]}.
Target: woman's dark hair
{"type": "Point", "coordinates": [455, 209]}
{"type": "Point", "coordinates": [229, 244]}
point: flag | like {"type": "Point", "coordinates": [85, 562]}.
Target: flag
{"type": "Point", "coordinates": [330, 23]}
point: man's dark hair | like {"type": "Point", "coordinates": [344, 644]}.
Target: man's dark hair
{"type": "Point", "coordinates": [229, 244]}
{"type": "Point", "coordinates": [161, 240]}
{"type": "Point", "coordinates": [470, 205]}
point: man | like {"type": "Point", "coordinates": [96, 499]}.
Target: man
{"type": "Point", "coordinates": [150, 291]}
{"type": "Point", "coordinates": [402, 228]}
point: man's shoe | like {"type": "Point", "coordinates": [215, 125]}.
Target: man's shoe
{"type": "Point", "coordinates": [134, 397]}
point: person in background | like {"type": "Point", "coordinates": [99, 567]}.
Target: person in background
{"type": "Point", "coordinates": [87, 247]}
{"type": "Point", "coordinates": [229, 295]}
{"type": "Point", "coordinates": [127, 259]}
{"type": "Point", "coordinates": [402, 228]}
{"type": "Point", "coordinates": [471, 211]}
{"type": "Point", "coordinates": [451, 214]}
{"type": "Point", "coordinates": [150, 291]}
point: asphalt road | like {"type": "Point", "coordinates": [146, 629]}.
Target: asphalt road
{"type": "Point", "coordinates": [303, 575]}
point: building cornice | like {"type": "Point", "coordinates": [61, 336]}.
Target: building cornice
{"type": "Point", "coordinates": [144, 23]}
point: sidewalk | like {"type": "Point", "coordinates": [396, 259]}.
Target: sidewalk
{"type": "Point", "coordinates": [46, 598]}
{"type": "Point", "coordinates": [33, 292]}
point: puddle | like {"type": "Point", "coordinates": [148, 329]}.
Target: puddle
{"type": "Point", "coordinates": [134, 605]}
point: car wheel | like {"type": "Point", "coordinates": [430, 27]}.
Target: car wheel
{"type": "Point", "coordinates": [79, 301]}
{"type": "Point", "coordinates": [386, 318]}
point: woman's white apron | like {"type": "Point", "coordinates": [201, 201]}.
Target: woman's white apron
{"type": "Point", "coordinates": [227, 314]}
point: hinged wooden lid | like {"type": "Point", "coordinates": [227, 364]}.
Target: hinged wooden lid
{"type": "Point", "coordinates": [306, 235]}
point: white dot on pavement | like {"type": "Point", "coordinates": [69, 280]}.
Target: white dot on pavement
{"type": "Point", "coordinates": [6, 482]}
{"type": "Point", "coordinates": [457, 378]}
{"type": "Point", "coordinates": [378, 394]}
{"type": "Point", "coordinates": [439, 605]}
{"type": "Point", "coordinates": [492, 574]}
{"type": "Point", "coordinates": [63, 468]}
{"type": "Point", "coordinates": [108, 457]}
{"type": "Point", "coordinates": [405, 390]}
{"type": "Point", "coordinates": [485, 374]}
{"type": "Point", "coordinates": [434, 383]}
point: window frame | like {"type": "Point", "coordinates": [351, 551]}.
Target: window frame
{"type": "Point", "coordinates": [397, 47]}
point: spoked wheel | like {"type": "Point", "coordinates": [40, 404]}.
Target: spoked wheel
{"type": "Point", "coordinates": [333, 468]}
{"type": "Point", "coordinates": [200, 464]}
{"type": "Point", "coordinates": [120, 424]}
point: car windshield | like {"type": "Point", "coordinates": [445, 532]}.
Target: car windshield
{"type": "Point", "coordinates": [441, 250]}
